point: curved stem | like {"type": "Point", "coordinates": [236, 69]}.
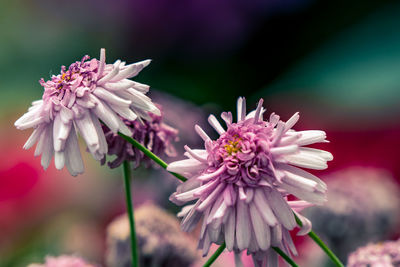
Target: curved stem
{"type": "Point", "coordinates": [321, 244]}
{"type": "Point", "coordinates": [127, 177]}
{"type": "Point", "coordinates": [285, 257]}
{"type": "Point", "coordinates": [215, 255]}
{"type": "Point", "coordinates": [151, 155]}
{"type": "Point", "coordinates": [162, 163]}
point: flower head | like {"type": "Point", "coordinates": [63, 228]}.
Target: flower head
{"type": "Point", "coordinates": [76, 100]}
{"type": "Point", "coordinates": [152, 133]}
{"type": "Point", "coordinates": [63, 261]}
{"type": "Point", "coordinates": [241, 180]}
{"type": "Point", "coordinates": [386, 254]}
{"type": "Point", "coordinates": [363, 206]}
{"type": "Point", "coordinates": [160, 241]}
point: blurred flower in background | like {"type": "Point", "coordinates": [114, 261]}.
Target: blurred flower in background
{"type": "Point", "coordinates": [63, 261]}
{"type": "Point", "coordinates": [363, 206]}
{"type": "Point", "coordinates": [384, 254]}
{"type": "Point", "coordinates": [155, 135]}
{"type": "Point", "coordinates": [159, 238]}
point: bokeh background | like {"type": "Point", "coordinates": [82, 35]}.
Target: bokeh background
{"type": "Point", "coordinates": [337, 62]}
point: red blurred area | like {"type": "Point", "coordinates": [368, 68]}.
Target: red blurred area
{"type": "Point", "coordinates": [17, 180]}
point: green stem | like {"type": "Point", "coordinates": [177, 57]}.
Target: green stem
{"type": "Point", "coordinates": [127, 177]}
{"type": "Point", "coordinates": [321, 244]}
{"type": "Point", "coordinates": [151, 155]}
{"type": "Point", "coordinates": [215, 255]}
{"type": "Point", "coordinates": [222, 247]}
{"type": "Point", "coordinates": [285, 257]}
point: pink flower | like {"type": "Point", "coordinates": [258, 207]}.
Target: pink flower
{"type": "Point", "coordinates": [241, 180]}
{"type": "Point", "coordinates": [152, 133]}
{"type": "Point", "coordinates": [63, 261]}
{"type": "Point", "coordinates": [386, 254]}
{"type": "Point", "coordinates": [75, 101]}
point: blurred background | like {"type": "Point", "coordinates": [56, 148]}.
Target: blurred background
{"type": "Point", "coordinates": [337, 62]}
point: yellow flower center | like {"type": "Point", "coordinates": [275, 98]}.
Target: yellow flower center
{"type": "Point", "coordinates": [233, 146]}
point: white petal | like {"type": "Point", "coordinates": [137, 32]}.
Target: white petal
{"type": "Point", "coordinates": [230, 195]}
{"type": "Point", "coordinates": [221, 211]}
{"type": "Point", "coordinates": [34, 137]}
{"type": "Point", "coordinates": [281, 209]}
{"type": "Point", "coordinates": [299, 182]}
{"type": "Point", "coordinates": [227, 117]}
{"type": "Point", "coordinates": [139, 101]}
{"type": "Point", "coordinates": [276, 235]}
{"type": "Point", "coordinates": [88, 131]}
{"type": "Point", "coordinates": [261, 230]}
{"type": "Point", "coordinates": [131, 70]}
{"type": "Point", "coordinates": [193, 154]}
{"type": "Point", "coordinates": [299, 205]}
{"type": "Point", "coordinates": [100, 133]}
{"type": "Point", "coordinates": [302, 173]}
{"type": "Point", "coordinates": [312, 197]}
{"type": "Point", "coordinates": [243, 230]}
{"type": "Point", "coordinates": [103, 112]}
{"type": "Point", "coordinates": [73, 158]}
{"type": "Point", "coordinates": [186, 165]}
{"type": "Point", "coordinates": [230, 230]}
{"type": "Point", "coordinates": [28, 120]}
{"type": "Point", "coordinates": [102, 62]}
{"type": "Point", "coordinates": [264, 208]}
{"type": "Point", "coordinates": [241, 108]}
{"type": "Point", "coordinates": [143, 88]}
{"type": "Point", "coordinates": [191, 219]}
{"type": "Point", "coordinates": [211, 198]}
{"type": "Point", "coordinates": [47, 149]}
{"type": "Point", "coordinates": [284, 150]}
{"type": "Point", "coordinates": [306, 225]}
{"type": "Point", "coordinates": [194, 193]}
{"type": "Point", "coordinates": [59, 159]}
{"type": "Point", "coordinates": [208, 176]}
{"type": "Point", "coordinates": [66, 114]}
{"type": "Point", "coordinates": [120, 85]}
{"type": "Point", "coordinates": [289, 139]}
{"type": "Point", "coordinates": [325, 155]}
{"type": "Point", "coordinates": [125, 112]}
{"type": "Point", "coordinates": [111, 74]}
{"type": "Point", "coordinates": [215, 124]}
{"type": "Point", "coordinates": [242, 194]}
{"type": "Point", "coordinates": [60, 132]}
{"type": "Point", "coordinates": [289, 243]}
{"type": "Point", "coordinates": [249, 194]}
{"type": "Point", "coordinates": [258, 110]}
{"type": "Point", "coordinates": [185, 210]}
{"type": "Point", "coordinates": [292, 121]}
{"type": "Point", "coordinates": [44, 139]}
{"type": "Point", "coordinates": [304, 160]}
{"type": "Point", "coordinates": [110, 97]}
{"type": "Point", "coordinates": [272, 258]}
{"type": "Point", "coordinates": [311, 137]}
{"type": "Point", "coordinates": [279, 131]}
{"type": "Point", "coordinates": [201, 133]}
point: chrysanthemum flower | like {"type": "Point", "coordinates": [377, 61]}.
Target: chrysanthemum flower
{"type": "Point", "coordinates": [386, 254]}
{"type": "Point", "coordinates": [240, 181]}
{"type": "Point", "coordinates": [75, 101]}
{"type": "Point", "coordinates": [153, 133]}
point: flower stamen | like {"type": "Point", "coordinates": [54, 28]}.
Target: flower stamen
{"type": "Point", "coordinates": [234, 145]}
